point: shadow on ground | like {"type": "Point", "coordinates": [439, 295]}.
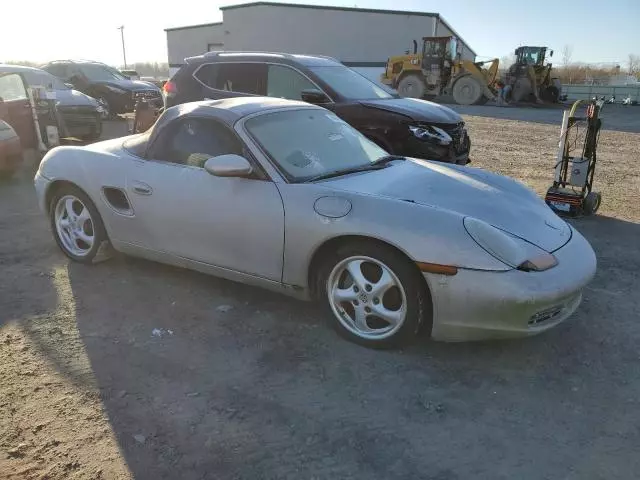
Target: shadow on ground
{"type": "Point", "coordinates": [242, 383]}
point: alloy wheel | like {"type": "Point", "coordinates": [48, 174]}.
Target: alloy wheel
{"type": "Point", "coordinates": [367, 297]}
{"type": "Point", "coordinates": [106, 112]}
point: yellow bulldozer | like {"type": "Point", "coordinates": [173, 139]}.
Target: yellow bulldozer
{"type": "Point", "coordinates": [530, 78]}
{"type": "Point", "coordinates": [440, 70]}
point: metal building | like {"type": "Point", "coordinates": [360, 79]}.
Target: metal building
{"type": "Point", "coordinates": [361, 38]}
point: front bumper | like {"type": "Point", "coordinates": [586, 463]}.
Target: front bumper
{"type": "Point", "coordinates": [479, 305]}
{"type": "Point", "coordinates": [126, 102]}
{"type": "Point", "coordinates": [416, 148]}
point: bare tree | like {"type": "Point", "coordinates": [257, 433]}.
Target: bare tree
{"type": "Point", "coordinates": [634, 64]}
{"type": "Point", "coordinates": [567, 54]}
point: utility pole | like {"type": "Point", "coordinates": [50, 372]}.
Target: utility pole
{"type": "Point", "coordinates": [124, 53]}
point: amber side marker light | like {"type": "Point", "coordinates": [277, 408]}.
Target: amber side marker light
{"type": "Point", "coordinates": [437, 268]}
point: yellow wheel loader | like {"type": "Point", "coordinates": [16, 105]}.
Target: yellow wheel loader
{"type": "Point", "coordinates": [440, 70]}
{"type": "Point", "coordinates": [530, 78]}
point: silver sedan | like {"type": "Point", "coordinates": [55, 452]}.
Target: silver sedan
{"type": "Point", "coordinates": [287, 196]}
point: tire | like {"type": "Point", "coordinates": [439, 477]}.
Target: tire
{"type": "Point", "coordinates": [405, 301]}
{"type": "Point", "coordinates": [411, 86]}
{"type": "Point", "coordinates": [82, 240]}
{"type": "Point", "coordinates": [591, 203]}
{"type": "Point", "coordinates": [551, 94]}
{"type": "Point", "coordinates": [107, 111]}
{"type": "Point", "coordinates": [467, 91]}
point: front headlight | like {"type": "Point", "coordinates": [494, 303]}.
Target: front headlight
{"type": "Point", "coordinates": [431, 134]}
{"type": "Point", "coordinates": [113, 89]}
{"type": "Point", "coordinates": [506, 248]}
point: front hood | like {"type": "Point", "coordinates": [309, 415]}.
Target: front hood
{"type": "Point", "coordinates": [497, 200]}
{"type": "Point", "coordinates": [74, 98]}
{"type": "Point", "coordinates": [418, 110]}
{"type": "Point", "coordinates": [132, 85]}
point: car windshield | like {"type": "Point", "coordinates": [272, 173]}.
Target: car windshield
{"type": "Point", "coordinates": [311, 143]}
{"type": "Point", "coordinates": [101, 73]}
{"type": "Point", "coordinates": [44, 79]}
{"type": "Point", "coordinates": [350, 84]}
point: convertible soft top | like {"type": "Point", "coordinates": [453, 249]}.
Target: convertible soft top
{"type": "Point", "coordinates": [228, 110]}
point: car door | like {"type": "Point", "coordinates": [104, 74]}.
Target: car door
{"type": "Point", "coordinates": [286, 82]}
{"type": "Point", "coordinates": [234, 223]}
{"type": "Point", "coordinates": [17, 108]}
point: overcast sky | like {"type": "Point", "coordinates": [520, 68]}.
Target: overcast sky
{"type": "Point", "coordinates": [598, 31]}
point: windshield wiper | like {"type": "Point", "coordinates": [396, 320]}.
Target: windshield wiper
{"type": "Point", "coordinates": [387, 159]}
{"type": "Point", "coordinates": [378, 164]}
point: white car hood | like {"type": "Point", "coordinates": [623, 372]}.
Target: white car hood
{"type": "Point", "coordinates": [495, 199]}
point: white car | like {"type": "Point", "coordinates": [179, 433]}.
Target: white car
{"type": "Point", "coordinates": [288, 196]}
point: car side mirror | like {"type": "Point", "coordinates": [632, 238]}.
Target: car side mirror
{"type": "Point", "coordinates": [551, 53]}
{"type": "Point", "coordinates": [314, 96]}
{"type": "Point", "coordinates": [70, 85]}
{"type": "Point", "coordinates": [230, 165]}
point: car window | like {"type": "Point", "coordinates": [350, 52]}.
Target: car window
{"type": "Point", "coordinates": [285, 82]}
{"type": "Point", "coordinates": [12, 87]}
{"type": "Point", "coordinates": [97, 72]}
{"type": "Point", "coordinates": [350, 84]}
{"type": "Point", "coordinates": [194, 140]}
{"type": "Point", "coordinates": [44, 79]}
{"type": "Point", "coordinates": [207, 74]}
{"type": "Point", "coordinates": [306, 143]}
{"type": "Point", "coordinates": [57, 69]}
{"type": "Point", "coordinates": [235, 77]}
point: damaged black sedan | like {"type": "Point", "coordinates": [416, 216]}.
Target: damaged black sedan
{"type": "Point", "coordinates": [402, 126]}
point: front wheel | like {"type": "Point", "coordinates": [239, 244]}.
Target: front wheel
{"type": "Point", "coordinates": [467, 91]}
{"type": "Point", "coordinates": [411, 86]}
{"type": "Point", "coordinates": [106, 111]}
{"type": "Point", "coordinates": [76, 224]}
{"type": "Point", "coordinates": [375, 294]}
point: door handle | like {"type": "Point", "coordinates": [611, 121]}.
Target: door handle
{"type": "Point", "coordinates": [141, 188]}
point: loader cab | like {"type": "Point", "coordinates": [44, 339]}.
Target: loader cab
{"type": "Point", "coordinates": [534, 56]}
{"type": "Point", "coordinates": [443, 48]}
{"type": "Point", "coordinates": [438, 55]}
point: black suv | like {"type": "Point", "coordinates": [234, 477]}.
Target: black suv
{"type": "Point", "coordinates": [114, 92]}
{"type": "Point", "coordinates": [402, 126]}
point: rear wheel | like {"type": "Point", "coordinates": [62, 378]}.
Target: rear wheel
{"type": "Point", "coordinates": [375, 295]}
{"type": "Point", "coordinates": [467, 91]}
{"type": "Point", "coordinates": [411, 86]}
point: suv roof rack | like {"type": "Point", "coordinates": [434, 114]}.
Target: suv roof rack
{"type": "Point", "coordinates": [229, 53]}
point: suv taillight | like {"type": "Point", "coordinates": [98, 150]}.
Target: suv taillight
{"type": "Point", "coordinates": [169, 88]}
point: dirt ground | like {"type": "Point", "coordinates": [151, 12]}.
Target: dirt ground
{"type": "Point", "coordinates": [238, 383]}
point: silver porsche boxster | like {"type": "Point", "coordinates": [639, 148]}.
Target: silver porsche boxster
{"type": "Point", "coordinates": [287, 196]}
